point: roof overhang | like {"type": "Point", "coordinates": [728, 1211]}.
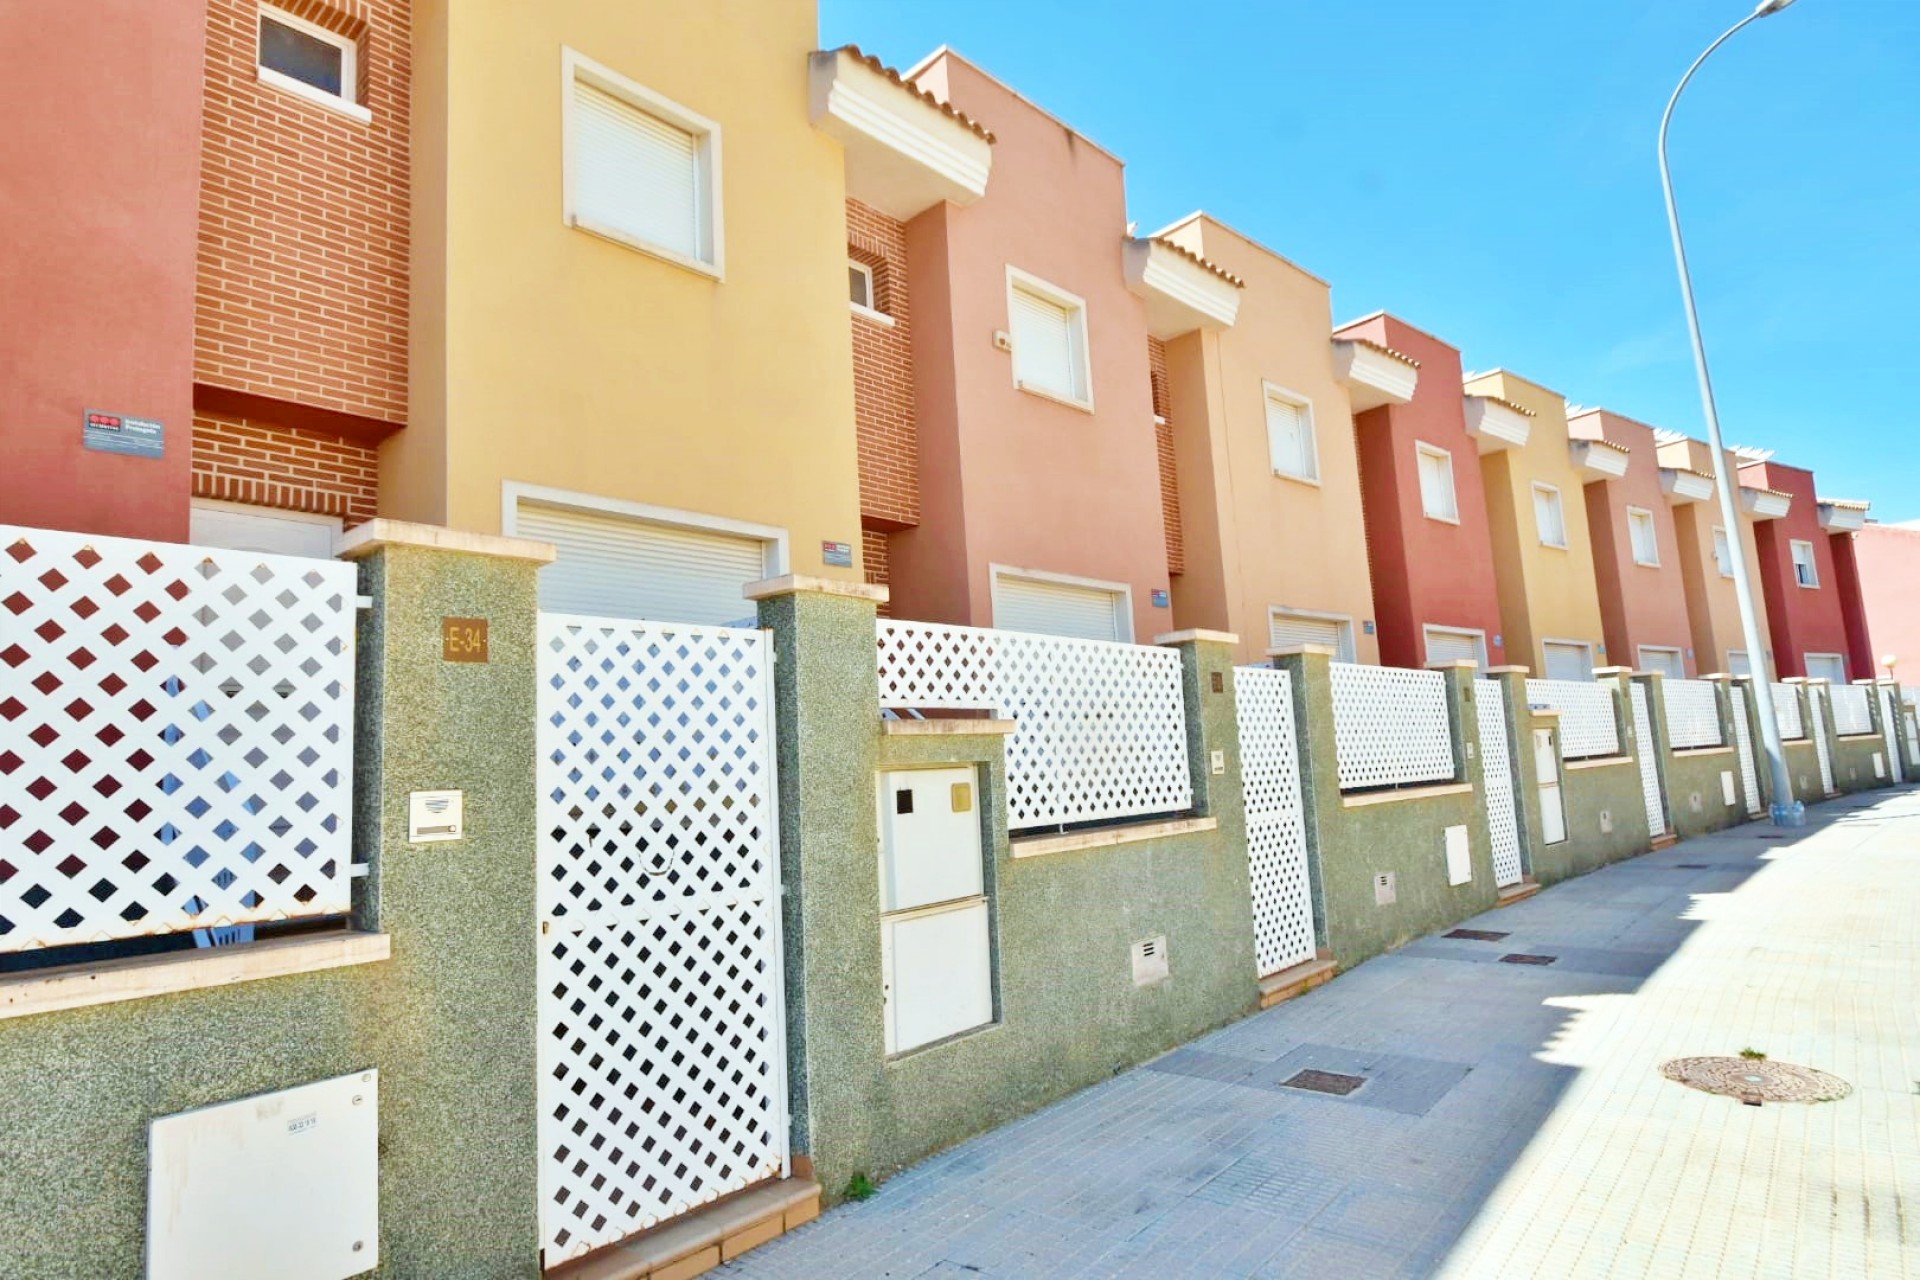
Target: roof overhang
{"type": "Point", "coordinates": [1765, 504]}
{"type": "Point", "coordinates": [1840, 516]}
{"type": "Point", "coordinates": [1373, 374]}
{"type": "Point", "coordinates": [1598, 459]}
{"type": "Point", "coordinates": [1497, 425]}
{"type": "Point", "coordinates": [1182, 292]}
{"type": "Point", "coordinates": [904, 153]}
{"type": "Point", "coordinates": [1685, 486]}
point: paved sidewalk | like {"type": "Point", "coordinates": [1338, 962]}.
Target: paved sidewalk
{"type": "Point", "coordinates": [1514, 1122]}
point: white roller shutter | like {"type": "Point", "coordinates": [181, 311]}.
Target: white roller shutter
{"type": "Point", "coordinates": [611, 566]}
{"type": "Point", "coordinates": [1830, 665]}
{"type": "Point", "coordinates": [1044, 345]}
{"type": "Point", "coordinates": [1290, 630]}
{"type": "Point", "coordinates": [635, 173]}
{"type": "Point", "coordinates": [1059, 609]}
{"type": "Point", "coordinates": [1453, 646]}
{"type": "Point", "coordinates": [1568, 661]}
{"type": "Point", "coordinates": [1669, 661]}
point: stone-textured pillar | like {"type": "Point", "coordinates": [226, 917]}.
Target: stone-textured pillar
{"type": "Point", "coordinates": [452, 1023]}
{"type": "Point", "coordinates": [1206, 668]}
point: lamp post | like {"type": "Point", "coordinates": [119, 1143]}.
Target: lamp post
{"type": "Point", "coordinates": [1786, 811]}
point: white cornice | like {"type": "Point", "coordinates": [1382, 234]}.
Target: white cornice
{"type": "Point", "coordinates": [1597, 459]}
{"type": "Point", "coordinates": [903, 154]}
{"type": "Point", "coordinates": [1765, 504]}
{"type": "Point", "coordinates": [1181, 294]}
{"type": "Point", "coordinates": [1842, 517]}
{"type": "Point", "coordinates": [1685, 486]}
{"type": "Point", "coordinates": [1495, 425]}
{"type": "Point", "coordinates": [1372, 376]}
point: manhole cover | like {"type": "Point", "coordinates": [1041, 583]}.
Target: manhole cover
{"type": "Point", "coordinates": [1325, 1082]}
{"type": "Point", "coordinates": [1476, 935]}
{"type": "Point", "coordinates": [1521, 957]}
{"type": "Point", "coordinates": [1756, 1081]}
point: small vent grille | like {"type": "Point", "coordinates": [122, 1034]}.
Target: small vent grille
{"type": "Point", "coordinates": [1478, 935]}
{"type": "Point", "coordinates": [1324, 1082]}
{"type": "Point", "coordinates": [1521, 957]}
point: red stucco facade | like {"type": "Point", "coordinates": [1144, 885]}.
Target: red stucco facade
{"type": "Point", "coordinates": [1642, 606]}
{"type": "Point", "coordinates": [1802, 619]}
{"type": "Point", "coordinates": [1426, 572]}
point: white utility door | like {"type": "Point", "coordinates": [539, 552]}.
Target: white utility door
{"type": "Point", "coordinates": [1053, 608]}
{"type": "Point", "coordinates": [1568, 661]}
{"type": "Point", "coordinates": [618, 567]}
{"type": "Point", "coordinates": [239, 526]}
{"type": "Point", "coordinates": [1447, 645]}
{"type": "Point", "coordinates": [1831, 666]}
{"type": "Point", "coordinates": [1287, 630]}
{"type": "Point", "coordinates": [1667, 661]}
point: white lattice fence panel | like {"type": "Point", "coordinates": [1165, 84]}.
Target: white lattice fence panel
{"type": "Point", "coordinates": [663, 1077]}
{"type": "Point", "coordinates": [1693, 714]}
{"type": "Point", "coordinates": [1816, 706]}
{"type": "Point", "coordinates": [1649, 753]}
{"type": "Point", "coordinates": [1852, 713]}
{"type": "Point", "coordinates": [1276, 819]}
{"type": "Point", "coordinates": [1102, 727]}
{"type": "Point", "coordinates": [1887, 723]}
{"type": "Point", "coordinates": [1786, 711]}
{"type": "Point", "coordinates": [1587, 725]}
{"type": "Point", "coordinates": [1390, 726]}
{"type": "Point", "coordinates": [1496, 781]}
{"type": "Point", "coordinates": [176, 737]}
{"type": "Point", "coordinates": [1743, 740]}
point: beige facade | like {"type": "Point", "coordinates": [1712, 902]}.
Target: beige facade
{"type": "Point", "coordinates": [1264, 535]}
{"type": "Point", "coordinates": [714, 388]}
{"type": "Point", "coordinates": [1548, 600]}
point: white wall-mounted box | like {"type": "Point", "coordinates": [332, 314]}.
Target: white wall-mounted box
{"type": "Point", "coordinates": [281, 1184]}
{"type": "Point", "coordinates": [1459, 856]}
{"type": "Point", "coordinates": [929, 837]}
{"type": "Point", "coordinates": [939, 974]}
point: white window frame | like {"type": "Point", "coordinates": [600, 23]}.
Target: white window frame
{"type": "Point", "coordinates": [1812, 581]}
{"type": "Point", "coordinates": [347, 101]}
{"type": "Point", "coordinates": [1720, 535]}
{"type": "Point", "coordinates": [1121, 590]}
{"type": "Point", "coordinates": [1346, 650]}
{"type": "Point", "coordinates": [1478, 633]}
{"type": "Point", "coordinates": [1593, 655]}
{"type": "Point", "coordinates": [870, 310]}
{"type": "Point", "coordinates": [1560, 504]}
{"type": "Point", "coordinates": [513, 492]}
{"type": "Point", "coordinates": [577, 67]}
{"type": "Point", "coordinates": [1640, 656]}
{"type": "Point", "coordinates": [1274, 391]}
{"type": "Point", "coordinates": [1653, 534]}
{"type": "Point", "coordinates": [1082, 349]}
{"type": "Point", "coordinates": [1423, 450]}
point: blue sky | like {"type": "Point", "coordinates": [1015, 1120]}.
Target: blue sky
{"type": "Point", "coordinates": [1486, 170]}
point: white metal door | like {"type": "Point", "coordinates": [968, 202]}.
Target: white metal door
{"type": "Point", "coordinates": [1888, 732]}
{"type": "Point", "coordinates": [1817, 701]}
{"type": "Point", "coordinates": [662, 1032]}
{"type": "Point", "coordinates": [1276, 819]}
{"type": "Point", "coordinates": [1496, 781]}
{"type": "Point", "coordinates": [1743, 739]}
{"type": "Point", "coordinates": [1649, 753]}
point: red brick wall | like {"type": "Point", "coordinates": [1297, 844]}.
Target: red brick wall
{"type": "Point", "coordinates": [1163, 441]}
{"type": "Point", "coordinates": [883, 376]}
{"type": "Point", "coordinates": [302, 267]}
{"type": "Point", "coordinates": [239, 460]}
{"type": "Point", "coordinates": [873, 555]}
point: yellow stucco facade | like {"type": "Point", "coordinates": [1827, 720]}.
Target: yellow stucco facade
{"type": "Point", "coordinates": [1547, 593]}
{"type": "Point", "coordinates": [1256, 540]}
{"type": "Point", "coordinates": [1713, 608]}
{"type": "Point", "coordinates": [546, 355]}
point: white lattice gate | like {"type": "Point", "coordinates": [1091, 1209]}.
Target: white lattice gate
{"type": "Point", "coordinates": [1276, 819]}
{"type": "Point", "coordinates": [1817, 709]}
{"type": "Point", "coordinates": [1887, 732]}
{"type": "Point", "coordinates": [662, 1036]}
{"type": "Point", "coordinates": [1649, 753]}
{"type": "Point", "coordinates": [1743, 739]}
{"type": "Point", "coordinates": [1496, 781]}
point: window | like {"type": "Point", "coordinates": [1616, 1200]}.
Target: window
{"type": "Point", "coordinates": [1057, 605]}
{"type": "Point", "coordinates": [1437, 497]}
{"type": "Point", "coordinates": [1640, 531]}
{"type": "Point", "coordinates": [305, 58]}
{"type": "Point", "coordinates": [1290, 439]}
{"type": "Point", "coordinates": [1049, 329]}
{"type": "Point", "coordinates": [1289, 628]}
{"type": "Point", "coordinates": [1448, 644]}
{"type": "Point", "coordinates": [1804, 571]}
{"type": "Point", "coordinates": [1827, 666]}
{"type": "Point", "coordinates": [1568, 659]}
{"type": "Point", "coordinates": [860, 286]}
{"type": "Point", "coordinates": [1548, 518]}
{"type": "Point", "coordinates": [640, 170]}
{"type": "Point", "coordinates": [1722, 552]}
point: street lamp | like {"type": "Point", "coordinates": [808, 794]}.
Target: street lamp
{"type": "Point", "coordinates": [1786, 811]}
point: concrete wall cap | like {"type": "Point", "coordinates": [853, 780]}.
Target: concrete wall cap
{"type": "Point", "coordinates": [1509, 671]}
{"type": "Point", "coordinates": [948, 728]}
{"type": "Point", "coordinates": [375, 534]}
{"type": "Point", "coordinates": [794, 583]}
{"type": "Point", "coordinates": [1613, 671]}
{"type": "Point", "coordinates": [1316, 650]}
{"type": "Point", "coordinates": [1196, 633]}
{"type": "Point", "coordinates": [1451, 664]}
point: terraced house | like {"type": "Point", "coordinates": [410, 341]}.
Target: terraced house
{"type": "Point", "coordinates": [1807, 570]}
{"type": "Point", "coordinates": [1706, 549]}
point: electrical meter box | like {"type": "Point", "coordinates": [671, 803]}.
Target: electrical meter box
{"type": "Point", "coordinates": [929, 837]}
{"type": "Point", "coordinates": [935, 928]}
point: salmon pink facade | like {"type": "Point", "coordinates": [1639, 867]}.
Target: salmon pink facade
{"type": "Point", "coordinates": [1428, 540]}
{"type": "Point", "coordinates": [1888, 556]}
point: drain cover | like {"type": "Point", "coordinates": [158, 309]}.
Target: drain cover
{"type": "Point", "coordinates": [1476, 935]}
{"type": "Point", "coordinates": [1691, 866]}
{"type": "Point", "coordinates": [1755, 1082]}
{"type": "Point", "coordinates": [1521, 957]}
{"type": "Point", "coordinates": [1325, 1082]}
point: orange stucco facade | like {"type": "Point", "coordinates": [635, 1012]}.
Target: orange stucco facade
{"type": "Point", "coordinates": [1009, 477]}
{"type": "Point", "coordinates": [1254, 540]}
{"type": "Point", "coordinates": [1713, 609]}
{"type": "Point", "coordinates": [1643, 598]}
